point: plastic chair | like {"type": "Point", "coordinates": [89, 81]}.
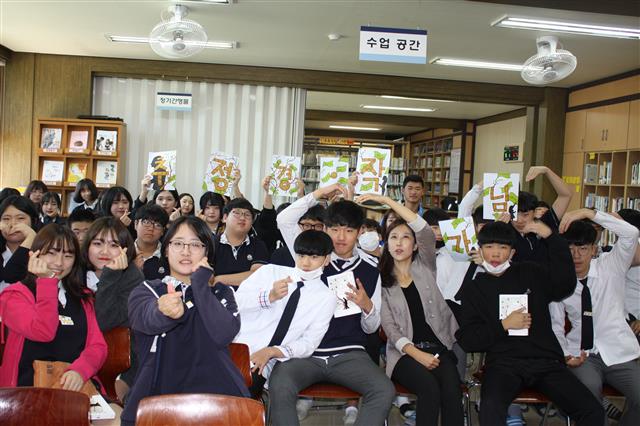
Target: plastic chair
{"type": "Point", "coordinates": [118, 359]}
{"type": "Point", "coordinates": [30, 406]}
{"type": "Point", "coordinates": [242, 359]}
{"type": "Point", "coordinates": [199, 409]}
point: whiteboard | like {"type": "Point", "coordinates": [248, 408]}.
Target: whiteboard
{"type": "Point", "coordinates": [454, 171]}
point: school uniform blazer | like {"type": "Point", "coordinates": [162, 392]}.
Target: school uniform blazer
{"type": "Point", "coordinates": [37, 319]}
{"type": "Point", "coordinates": [396, 319]}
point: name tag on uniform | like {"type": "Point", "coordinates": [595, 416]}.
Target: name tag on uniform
{"type": "Point", "coordinates": [587, 314]}
{"type": "Point", "coordinates": [64, 320]}
{"type": "Point", "coordinates": [189, 304]}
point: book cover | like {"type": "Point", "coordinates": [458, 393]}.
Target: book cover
{"type": "Point", "coordinates": [76, 171]}
{"type": "Point", "coordinates": [339, 285]}
{"type": "Point", "coordinates": [106, 173]}
{"type": "Point", "coordinates": [106, 140]}
{"type": "Point", "coordinates": [510, 302]}
{"type": "Point", "coordinates": [78, 140]}
{"type": "Point", "coordinates": [162, 168]}
{"type": "Point", "coordinates": [51, 139]}
{"type": "Point", "coordinates": [52, 171]}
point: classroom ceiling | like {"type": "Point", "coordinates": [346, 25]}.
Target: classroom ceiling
{"type": "Point", "coordinates": [294, 34]}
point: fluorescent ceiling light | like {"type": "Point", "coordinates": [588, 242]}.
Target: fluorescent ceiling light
{"type": "Point", "coordinates": [145, 40]}
{"type": "Point", "coordinates": [368, 129]}
{"type": "Point", "coordinates": [414, 99]}
{"type": "Point", "coordinates": [394, 108]}
{"type": "Point", "coordinates": [477, 64]}
{"type": "Point", "coordinates": [567, 27]}
{"type": "Point", "coordinates": [208, 1]}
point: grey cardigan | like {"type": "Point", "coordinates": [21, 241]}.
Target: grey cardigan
{"type": "Point", "coordinates": [396, 319]}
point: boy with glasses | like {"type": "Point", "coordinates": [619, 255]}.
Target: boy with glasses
{"type": "Point", "coordinates": [313, 219]}
{"type": "Point", "coordinates": [237, 254]}
{"type": "Point", "coordinates": [150, 222]}
{"type": "Point", "coordinates": [600, 347]}
{"type": "Point", "coordinates": [79, 222]}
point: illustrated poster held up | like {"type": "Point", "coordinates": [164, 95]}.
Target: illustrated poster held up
{"type": "Point", "coordinates": [373, 167]}
{"type": "Point", "coordinates": [219, 174]}
{"type": "Point", "coordinates": [162, 168]}
{"type": "Point", "coordinates": [284, 171]}
{"type": "Point", "coordinates": [500, 195]}
{"type": "Point", "coordinates": [334, 170]}
{"type": "Point", "coordinates": [459, 236]}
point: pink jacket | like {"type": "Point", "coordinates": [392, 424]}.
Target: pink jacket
{"type": "Point", "coordinates": [37, 320]}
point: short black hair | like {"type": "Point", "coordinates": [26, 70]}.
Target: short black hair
{"type": "Point", "coordinates": [173, 193]}
{"type": "Point", "coordinates": [6, 192]}
{"type": "Point", "coordinates": [193, 201]}
{"type": "Point", "coordinates": [24, 204]}
{"type": "Point", "coordinates": [344, 213]}
{"type": "Point", "coordinates": [316, 213]}
{"type": "Point", "coordinates": [478, 216]}
{"type": "Point", "coordinates": [449, 203]}
{"type": "Point", "coordinates": [153, 212]}
{"type": "Point", "coordinates": [313, 243]}
{"type": "Point", "coordinates": [631, 216]}
{"type": "Point", "coordinates": [543, 204]}
{"type": "Point", "coordinates": [239, 203]}
{"type": "Point", "coordinates": [35, 185]}
{"type": "Point", "coordinates": [199, 227]}
{"type": "Point", "coordinates": [580, 233]}
{"type": "Point", "coordinates": [81, 215]}
{"type": "Point", "coordinates": [85, 183]}
{"type": "Point", "coordinates": [210, 198]}
{"type": "Point", "coordinates": [435, 215]}
{"type": "Point", "coordinates": [282, 207]}
{"type": "Point", "coordinates": [52, 196]}
{"type": "Point", "coordinates": [527, 201]}
{"type": "Point", "coordinates": [412, 178]}
{"type": "Point", "coordinates": [372, 224]}
{"type": "Point", "coordinates": [112, 194]}
{"type": "Point", "coordinates": [497, 233]}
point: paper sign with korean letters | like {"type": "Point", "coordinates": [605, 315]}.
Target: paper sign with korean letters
{"type": "Point", "coordinates": [393, 45]}
{"type": "Point", "coordinates": [219, 174]}
{"type": "Point", "coordinates": [339, 285]}
{"type": "Point", "coordinates": [500, 194]}
{"type": "Point", "coordinates": [459, 236]}
{"type": "Point", "coordinates": [508, 303]}
{"type": "Point", "coordinates": [373, 169]}
{"type": "Point", "coordinates": [334, 170]}
{"type": "Point", "coordinates": [162, 168]}
{"type": "Point", "coordinates": [284, 171]}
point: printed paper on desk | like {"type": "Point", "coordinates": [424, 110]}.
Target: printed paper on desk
{"type": "Point", "coordinates": [373, 169]}
{"type": "Point", "coordinates": [219, 174]}
{"type": "Point", "coordinates": [334, 170]}
{"type": "Point", "coordinates": [339, 285]}
{"type": "Point", "coordinates": [284, 170]}
{"type": "Point", "coordinates": [459, 236]}
{"type": "Point", "coordinates": [500, 194]}
{"type": "Point", "coordinates": [162, 168]}
{"type": "Point", "coordinates": [509, 303]}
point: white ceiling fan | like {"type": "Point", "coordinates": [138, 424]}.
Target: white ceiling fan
{"type": "Point", "coordinates": [550, 64]}
{"type": "Point", "coordinates": [177, 37]}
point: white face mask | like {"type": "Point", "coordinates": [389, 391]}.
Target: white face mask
{"type": "Point", "coordinates": [369, 241]}
{"type": "Point", "coordinates": [496, 270]}
{"type": "Point", "coordinates": [308, 275]}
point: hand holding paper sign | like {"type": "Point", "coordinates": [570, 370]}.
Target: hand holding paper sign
{"type": "Point", "coordinates": [513, 313]}
{"type": "Point", "coordinates": [359, 296]}
{"type": "Point", "coordinates": [516, 320]}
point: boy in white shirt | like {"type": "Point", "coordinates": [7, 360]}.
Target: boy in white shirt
{"type": "Point", "coordinates": [266, 299]}
{"type": "Point", "coordinates": [600, 347]}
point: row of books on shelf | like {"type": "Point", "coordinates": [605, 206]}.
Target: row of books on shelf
{"type": "Point", "coordinates": [397, 164]}
{"type": "Point", "coordinates": [601, 202]}
{"type": "Point", "coordinates": [635, 174]}
{"type": "Point", "coordinates": [396, 178]}
{"type": "Point", "coordinates": [312, 158]}
{"type": "Point", "coordinates": [105, 142]}
{"type": "Point", "coordinates": [54, 172]}
{"type": "Point", "coordinates": [437, 175]}
{"type": "Point", "coordinates": [429, 162]}
{"type": "Point", "coordinates": [608, 238]}
{"type": "Point", "coordinates": [598, 174]}
{"type": "Point", "coordinates": [430, 147]}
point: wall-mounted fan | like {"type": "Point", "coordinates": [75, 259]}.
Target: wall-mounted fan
{"type": "Point", "coordinates": [177, 37]}
{"type": "Point", "coordinates": [550, 64]}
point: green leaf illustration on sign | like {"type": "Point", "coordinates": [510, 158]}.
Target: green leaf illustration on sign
{"type": "Point", "coordinates": [486, 191]}
{"type": "Point", "coordinates": [204, 185]}
{"type": "Point", "coordinates": [326, 178]}
{"type": "Point", "coordinates": [341, 169]}
{"type": "Point", "coordinates": [379, 155]}
{"type": "Point", "coordinates": [474, 239]}
{"type": "Point", "coordinates": [445, 237]}
{"type": "Point", "coordinates": [327, 164]}
{"type": "Point", "coordinates": [513, 198]}
{"type": "Point", "coordinates": [504, 175]}
{"type": "Point", "coordinates": [457, 222]}
{"type": "Point", "coordinates": [367, 187]}
{"type": "Point", "coordinates": [343, 181]}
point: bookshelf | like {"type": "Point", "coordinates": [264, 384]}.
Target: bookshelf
{"type": "Point", "coordinates": [612, 180]}
{"type": "Point", "coordinates": [71, 149]}
{"type": "Point", "coordinates": [433, 160]}
{"type": "Point", "coordinates": [316, 147]}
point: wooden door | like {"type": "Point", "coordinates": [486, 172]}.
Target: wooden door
{"type": "Point", "coordinates": [616, 126]}
{"type": "Point", "coordinates": [574, 131]}
{"type": "Point", "coordinates": [596, 119]}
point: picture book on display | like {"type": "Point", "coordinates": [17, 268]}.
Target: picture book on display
{"type": "Point", "coordinates": [106, 141]}
{"type": "Point", "coordinates": [218, 176]}
{"type": "Point", "coordinates": [51, 139]}
{"type": "Point", "coordinates": [76, 171]}
{"type": "Point", "coordinates": [52, 171]}
{"type": "Point", "coordinates": [106, 173]}
{"type": "Point", "coordinates": [78, 140]}
{"type": "Point", "coordinates": [284, 171]}
{"type": "Point", "coordinates": [162, 168]}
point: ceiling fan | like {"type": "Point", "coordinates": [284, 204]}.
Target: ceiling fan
{"type": "Point", "coordinates": [177, 37]}
{"type": "Point", "coordinates": [550, 64]}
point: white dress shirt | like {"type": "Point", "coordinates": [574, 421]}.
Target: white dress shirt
{"type": "Point", "coordinates": [259, 317]}
{"type": "Point", "coordinates": [612, 336]}
{"type": "Point", "coordinates": [465, 207]}
{"type": "Point", "coordinates": [450, 274]}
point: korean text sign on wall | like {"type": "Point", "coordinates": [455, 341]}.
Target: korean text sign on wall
{"type": "Point", "coordinates": [174, 101]}
{"type": "Point", "coordinates": [393, 45]}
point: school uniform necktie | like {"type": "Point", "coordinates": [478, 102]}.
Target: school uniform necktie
{"type": "Point", "coordinates": [340, 263]}
{"type": "Point", "coordinates": [586, 341]}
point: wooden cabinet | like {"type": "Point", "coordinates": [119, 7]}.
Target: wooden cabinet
{"type": "Point", "coordinates": [633, 140]}
{"type": "Point", "coordinates": [574, 131]}
{"type": "Point", "coordinates": [607, 127]}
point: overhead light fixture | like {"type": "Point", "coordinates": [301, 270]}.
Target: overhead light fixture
{"type": "Point", "coordinates": [477, 64]}
{"type": "Point", "coordinates": [394, 108]}
{"type": "Point", "coordinates": [145, 40]}
{"type": "Point", "coordinates": [208, 1]}
{"type": "Point", "coordinates": [367, 129]}
{"type": "Point", "coordinates": [567, 27]}
{"type": "Point", "coordinates": [414, 99]}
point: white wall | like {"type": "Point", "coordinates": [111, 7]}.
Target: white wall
{"type": "Point", "coordinates": [489, 147]}
{"type": "Point", "coordinates": [252, 122]}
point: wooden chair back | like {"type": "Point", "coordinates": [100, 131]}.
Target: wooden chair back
{"type": "Point", "coordinates": [191, 409]}
{"type": "Point", "coordinates": [118, 358]}
{"type": "Point", "coordinates": [241, 358]}
{"type": "Point", "coordinates": [31, 406]}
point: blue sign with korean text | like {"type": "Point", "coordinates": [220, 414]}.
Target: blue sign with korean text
{"type": "Point", "coordinates": [393, 45]}
{"type": "Point", "coordinates": [174, 101]}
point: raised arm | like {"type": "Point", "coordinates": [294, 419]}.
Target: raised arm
{"type": "Point", "coordinates": [145, 315]}
{"type": "Point", "coordinates": [465, 208]}
{"type": "Point", "coordinates": [563, 189]}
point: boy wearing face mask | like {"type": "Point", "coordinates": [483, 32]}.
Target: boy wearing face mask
{"type": "Point", "coordinates": [534, 360]}
{"type": "Point", "coordinates": [267, 298]}
{"type": "Point", "coordinates": [369, 240]}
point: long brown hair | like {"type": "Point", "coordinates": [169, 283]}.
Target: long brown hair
{"type": "Point", "coordinates": [55, 236]}
{"type": "Point", "coordinates": [387, 264]}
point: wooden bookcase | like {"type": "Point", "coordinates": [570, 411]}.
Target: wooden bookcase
{"type": "Point", "coordinates": [74, 157]}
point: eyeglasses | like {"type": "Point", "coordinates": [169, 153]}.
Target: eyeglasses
{"type": "Point", "coordinates": [238, 214]}
{"type": "Point", "coordinates": [151, 224]}
{"type": "Point", "coordinates": [581, 250]}
{"type": "Point", "coordinates": [194, 246]}
{"type": "Point", "coordinates": [314, 226]}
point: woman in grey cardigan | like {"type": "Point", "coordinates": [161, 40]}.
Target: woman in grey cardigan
{"type": "Point", "coordinates": [417, 321]}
